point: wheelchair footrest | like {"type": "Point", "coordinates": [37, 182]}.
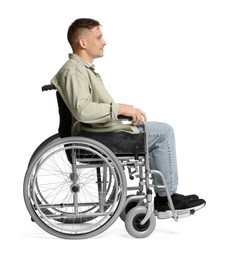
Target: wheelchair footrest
{"type": "Point", "coordinates": [180, 213]}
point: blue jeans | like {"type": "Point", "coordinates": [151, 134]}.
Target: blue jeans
{"type": "Point", "coordinates": [162, 152]}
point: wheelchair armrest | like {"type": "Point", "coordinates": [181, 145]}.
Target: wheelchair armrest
{"type": "Point", "coordinates": [121, 117]}
{"type": "Point", "coordinates": [52, 87]}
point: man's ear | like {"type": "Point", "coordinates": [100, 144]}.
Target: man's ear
{"type": "Point", "coordinates": [82, 43]}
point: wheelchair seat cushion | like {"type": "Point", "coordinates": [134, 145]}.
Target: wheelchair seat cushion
{"type": "Point", "coordinates": [120, 143]}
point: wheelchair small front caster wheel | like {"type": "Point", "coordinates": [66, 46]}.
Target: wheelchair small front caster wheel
{"type": "Point", "coordinates": [133, 222]}
{"type": "Point", "coordinates": [131, 204]}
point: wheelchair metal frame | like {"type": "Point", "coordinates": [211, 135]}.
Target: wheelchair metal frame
{"type": "Point", "coordinates": [146, 181]}
{"type": "Point", "coordinates": [137, 210]}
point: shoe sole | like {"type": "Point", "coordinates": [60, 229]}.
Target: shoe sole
{"type": "Point", "coordinates": [181, 213]}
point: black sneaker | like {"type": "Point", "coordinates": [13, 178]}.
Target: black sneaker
{"type": "Point", "coordinates": [184, 205]}
{"type": "Point", "coordinates": [190, 197]}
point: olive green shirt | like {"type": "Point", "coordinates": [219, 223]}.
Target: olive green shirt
{"type": "Point", "coordinates": [85, 95]}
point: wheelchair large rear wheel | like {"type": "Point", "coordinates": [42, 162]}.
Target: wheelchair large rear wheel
{"type": "Point", "coordinates": [75, 188]}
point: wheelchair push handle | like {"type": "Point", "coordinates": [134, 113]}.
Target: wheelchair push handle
{"type": "Point", "coordinates": [48, 87]}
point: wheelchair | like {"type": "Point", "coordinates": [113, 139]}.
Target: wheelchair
{"type": "Point", "coordinates": [77, 185]}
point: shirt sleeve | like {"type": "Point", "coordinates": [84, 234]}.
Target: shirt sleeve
{"type": "Point", "coordinates": [76, 92]}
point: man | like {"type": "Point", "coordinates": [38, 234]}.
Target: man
{"type": "Point", "coordinates": [83, 91]}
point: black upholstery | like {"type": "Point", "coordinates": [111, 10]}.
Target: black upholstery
{"type": "Point", "coordinates": [121, 143]}
{"type": "Point", "coordinates": [65, 122]}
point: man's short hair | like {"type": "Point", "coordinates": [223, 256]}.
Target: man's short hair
{"type": "Point", "coordinates": [77, 26]}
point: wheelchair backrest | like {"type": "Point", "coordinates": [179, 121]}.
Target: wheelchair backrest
{"type": "Point", "coordinates": [65, 116]}
{"type": "Point", "coordinates": [65, 123]}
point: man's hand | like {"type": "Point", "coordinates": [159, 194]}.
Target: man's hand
{"type": "Point", "coordinates": [137, 115]}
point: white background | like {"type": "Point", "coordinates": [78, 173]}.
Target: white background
{"type": "Point", "coordinates": [168, 58]}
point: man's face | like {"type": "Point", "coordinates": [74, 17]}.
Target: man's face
{"type": "Point", "coordinates": [94, 43]}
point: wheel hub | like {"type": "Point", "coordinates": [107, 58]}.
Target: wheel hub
{"type": "Point", "coordinates": [137, 223]}
{"type": "Point", "coordinates": [75, 188]}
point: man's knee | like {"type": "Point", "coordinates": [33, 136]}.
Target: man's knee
{"type": "Point", "coordinates": [168, 129]}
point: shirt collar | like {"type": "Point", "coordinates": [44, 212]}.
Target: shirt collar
{"type": "Point", "coordinates": [85, 63]}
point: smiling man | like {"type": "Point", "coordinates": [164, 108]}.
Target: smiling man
{"type": "Point", "coordinates": [91, 105]}
{"type": "Point", "coordinates": [87, 40]}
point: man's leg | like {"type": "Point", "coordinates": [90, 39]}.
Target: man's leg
{"type": "Point", "coordinates": [162, 151]}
